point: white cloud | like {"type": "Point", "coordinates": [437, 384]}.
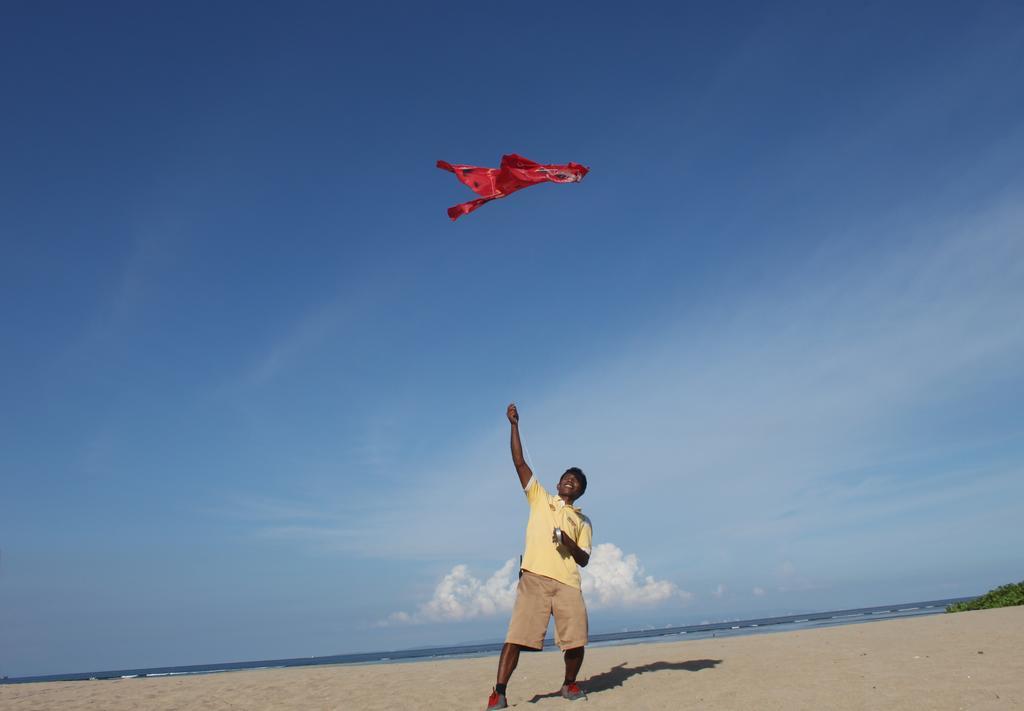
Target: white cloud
{"type": "Point", "coordinates": [758, 591]}
{"type": "Point", "coordinates": [719, 592]}
{"type": "Point", "coordinates": [611, 579]}
{"type": "Point", "coordinates": [461, 596]}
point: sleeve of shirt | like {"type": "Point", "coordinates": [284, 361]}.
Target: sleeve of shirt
{"type": "Point", "coordinates": [534, 491]}
{"type": "Point", "coordinates": [585, 540]}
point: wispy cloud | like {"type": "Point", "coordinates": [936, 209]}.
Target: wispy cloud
{"type": "Point", "coordinates": [303, 335]}
{"type": "Point", "coordinates": [830, 409]}
{"type": "Point", "coordinates": [327, 526]}
{"type": "Point", "coordinates": [271, 510]}
{"type": "Point", "coordinates": [860, 372]}
{"type": "Point", "coordinates": [152, 248]}
{"type": "Point", "coordinates": [316, 329]}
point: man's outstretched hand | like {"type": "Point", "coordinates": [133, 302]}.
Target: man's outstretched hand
{"type": "Point", "coordinates": [513, 414]}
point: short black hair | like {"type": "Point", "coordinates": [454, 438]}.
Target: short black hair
{"type": "Point", "coordinates": [578, 473]}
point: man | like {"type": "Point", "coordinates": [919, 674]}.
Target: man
{"type": "Point", "coordinates": [558, 539]}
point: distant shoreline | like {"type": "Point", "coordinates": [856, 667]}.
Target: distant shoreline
{"type": "Point", "coordinates": [731, 628]}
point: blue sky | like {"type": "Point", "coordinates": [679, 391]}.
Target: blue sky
{"type": "Point", "coordinates": [254, 380]}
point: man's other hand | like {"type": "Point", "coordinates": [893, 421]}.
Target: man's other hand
{"type": "Point", "coordinates": [513, 414]}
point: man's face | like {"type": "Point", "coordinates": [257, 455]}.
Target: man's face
{"type": "Point", "coordinates": [570, 485]}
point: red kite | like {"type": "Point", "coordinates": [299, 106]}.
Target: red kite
{"type": "Point", "coordinates": [514, 174]}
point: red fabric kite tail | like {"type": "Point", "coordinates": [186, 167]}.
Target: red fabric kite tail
{"type": "Point", "coordinates": [514, 174]}
{"type": "Point", "coordinates": [457, 211]}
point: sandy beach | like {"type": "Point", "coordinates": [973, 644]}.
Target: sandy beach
{"type": "Point", "coordinates": [970, 660]}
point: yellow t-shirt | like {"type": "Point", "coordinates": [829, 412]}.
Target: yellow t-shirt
{"type": "Point", "coordinates": [542, 555]}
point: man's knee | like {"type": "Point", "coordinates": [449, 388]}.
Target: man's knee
{"type": "Point", "coordinates": [510, 651]}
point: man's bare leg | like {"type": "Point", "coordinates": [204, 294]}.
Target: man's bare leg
{"type": "Point", "coordinates": [573, 662]}
{"type": "Point", "coordinates": [507, 661]}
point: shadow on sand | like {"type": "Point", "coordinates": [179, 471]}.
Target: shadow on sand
{"type": "Point", "coordinates": [620, 672]}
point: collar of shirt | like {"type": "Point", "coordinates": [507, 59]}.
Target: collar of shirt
{"type": "Point", "coordinates": [558, 503]}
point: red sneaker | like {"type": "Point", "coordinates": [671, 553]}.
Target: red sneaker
{"type": "Point", "coordinates": [573, 692]}
{"type": "Point", "coordinates": [496, 701]}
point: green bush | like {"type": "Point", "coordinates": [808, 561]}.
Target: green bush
{"type": "Point", "coordinates": [1003, 596]}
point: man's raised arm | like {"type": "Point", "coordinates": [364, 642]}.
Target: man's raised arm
{"type": "Point", "coordinates": [522, 468]}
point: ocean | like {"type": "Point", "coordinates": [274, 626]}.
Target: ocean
{"type": "Point", "coordinates": [663, 634]}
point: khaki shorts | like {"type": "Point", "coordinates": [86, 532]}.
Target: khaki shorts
{"type": "Point", "coordinates": [537, 598]}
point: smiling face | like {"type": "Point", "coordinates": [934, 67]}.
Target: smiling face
{"type": "Point", "coordinates": [572, 484]}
